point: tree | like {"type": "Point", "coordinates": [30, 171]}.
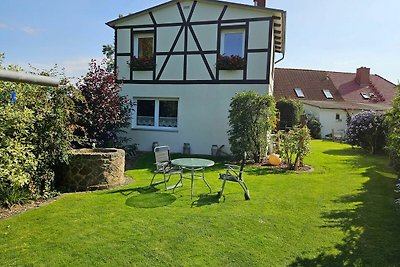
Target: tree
{"type": "Point", "coordinates": [294, 146]}
{"type": "Point", "coordinates": [393, 121]}
{"type": "Point", "coordinates": [109, 51]}
{"type": "Point", "coordinates": [105, 111]}
{"type": "Point", "coordinates": [251, 117]}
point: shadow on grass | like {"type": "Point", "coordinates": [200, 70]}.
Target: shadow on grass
{"type": "Point", "coordinates": [150, 200]}
{"type": "Point", "coordinates": [147, 197]}
{"type": "Point", "coordinates": [348, 151]}
{"type": "Point", "coordinates": [371, 226]}
{"type": "Point", "coordinates": [129, 191]}
{"type": "Point", "coordinates": [206, 200]}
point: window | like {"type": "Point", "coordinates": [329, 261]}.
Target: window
{"type": "Point", "coordinates": [156, 113]}
{"type": "Point", "coordinates": [327, 93]}
{"type": "Point", "coordinates": [233, 42]}
{"type": "Point", "coordinates": [299, 92]}
{"type": "Point", "coordinates": [365, 95]}
{"type": "Point", "coordinates": [145, 112]}
{"type": "Point", "coordinates": [143, 45]}
{"type": "Point", "coordinates": [338, 117]}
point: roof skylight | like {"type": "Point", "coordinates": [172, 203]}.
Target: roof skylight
{"type": "Point", "coordinates": [299, 92]}
{"type": "Point", "coordinates": [365, 95]}
{"type": "Point", "coordinates": [327, 93]}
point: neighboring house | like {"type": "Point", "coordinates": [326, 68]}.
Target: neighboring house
{"type": "Point", "coordinates": [181, 85]}
{"type": "Point", "coordinates": [331, 96]}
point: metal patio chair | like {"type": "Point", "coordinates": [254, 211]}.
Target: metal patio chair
{"type": "Point", "coordinates": [163, 166]}
{"type": "Point", "coordinates": [234, 173]}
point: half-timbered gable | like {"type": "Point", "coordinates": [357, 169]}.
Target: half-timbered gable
{"type": "Point", "coordinates": [188, 36]}
{"type": "Point", "coordinates": [181, 62]}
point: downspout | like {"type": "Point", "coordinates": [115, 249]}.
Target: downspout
{"type": "Point", "coordinates": [283, 56]}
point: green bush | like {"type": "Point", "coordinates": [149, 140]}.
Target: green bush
{"type": "Point", "coordinates": [35, 138]}
{"type": "Point", "coordinates": [315, 127]}
{"type": "Point", "coordinates": [294, 145]}
{"type": "Point", "coordinates": [290, 111]}
{"type": "Point", "coordinates": [393, 142]}
{"type": "Point", "coordinates": [251, 117]}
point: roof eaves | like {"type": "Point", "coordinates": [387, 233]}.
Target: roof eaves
{"type": "Point", "coordinates": [282, 13]}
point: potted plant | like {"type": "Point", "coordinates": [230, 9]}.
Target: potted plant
{"type": "Point", "coordinates": [232, 62]}
{"type": "Point", "coordinates": [142, 63]}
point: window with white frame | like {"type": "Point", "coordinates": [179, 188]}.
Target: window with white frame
{"type": "Point", "coordinates": [156, 114]}
{"type": "Point", "coordinates": [327, 93]}
{"type": "Point", "coordinates": [299, 92]}
{"type": "Point", "coordinates": [365, 95]}
{"type": "Point", "coordinates": [143, 45]}
{"type": "Point", "coordinates": [232, 42]}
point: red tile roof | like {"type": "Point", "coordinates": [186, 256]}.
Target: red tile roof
{"type": "Point", "coordinates": [311, 82]}
{"type": "Point", "coordinates": [351, 91]}
{"type": "Point", "coordinates": [341, 84]}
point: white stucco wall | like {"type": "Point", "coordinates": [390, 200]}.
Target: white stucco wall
{"type": "Point", "coordinates": [202, 108]}
{"type": "Point", "coordinates": [202, 115]}
{"type": "Point", "coordinates": [327, 118]}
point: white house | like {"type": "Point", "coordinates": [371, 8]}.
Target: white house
{"type": "Point", "coordinates": [330, 96]}
{"type": "Point", "coordinates": [181, 89]}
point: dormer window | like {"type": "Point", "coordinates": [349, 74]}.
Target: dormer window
{"type": "Point", "coordinates": [327, 93]}
{"type": "Point", "coordinates": [365, 95]}
{"type": "Point", "coordinates": [299, 92]}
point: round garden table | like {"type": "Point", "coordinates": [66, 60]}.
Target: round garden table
{"type": "Point", "coordinates": [193, 164]}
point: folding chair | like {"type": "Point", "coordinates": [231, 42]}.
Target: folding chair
{"type": "Point", "coordinates": [163, 166]}
{"type": "Point", "coordinates": [234, 173]}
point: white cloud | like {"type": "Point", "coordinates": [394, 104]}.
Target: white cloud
{"type": "Point", "coordinates": [78, 67]}
{"type": "Point", "coordinates": [30, 30]}
{"type": "Point", "coordinates": [3, 26]}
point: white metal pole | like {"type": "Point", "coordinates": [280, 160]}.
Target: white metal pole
{"type": "Point", "coordinates": [23, 77]}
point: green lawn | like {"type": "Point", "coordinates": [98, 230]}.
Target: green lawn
{"type": "Point", "coordinates": [343, 213]}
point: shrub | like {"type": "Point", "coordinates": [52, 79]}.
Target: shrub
{"type": "Point", "coordinates": [251, 117]}
{"type": "Point", "coordinates": [35, 138]}
{"type": "Point", "coordinates": [294, 145]}
{"type": "Point", "coordinates": [367, 130]}
{"type": "Point", "coordinates": [393, 141]}
{"type": "Point", "coordinates": [290, 111]}
{"type": "Point", "coordinates": [315, 127]}
{"type": "Point", "coordinates": [106, 111]}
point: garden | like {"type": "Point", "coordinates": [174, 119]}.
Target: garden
{"type": "Point", "coordinates": [342, 213]}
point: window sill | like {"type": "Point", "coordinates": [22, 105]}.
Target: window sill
{"type": "Point", "coordinates": [160, 129]}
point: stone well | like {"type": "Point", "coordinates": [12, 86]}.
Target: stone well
{"type": "Point", "coordinates": [91, 169]}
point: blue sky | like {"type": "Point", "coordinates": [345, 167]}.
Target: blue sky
{"type": "Point", "coordinates": [338, 35]}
